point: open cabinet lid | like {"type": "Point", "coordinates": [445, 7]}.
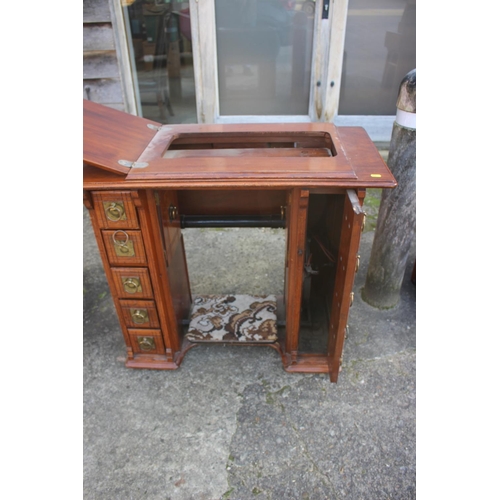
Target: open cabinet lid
{"type": "Point", "coordinates": [200, 155]}
{"type": "Point", "coordinates": [113, 140]}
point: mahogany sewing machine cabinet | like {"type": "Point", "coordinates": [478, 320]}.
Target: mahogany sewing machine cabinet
{"type": "Point", "coordinates": [145, 182]}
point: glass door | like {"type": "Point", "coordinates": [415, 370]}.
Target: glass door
{"type": "Point", "coordinates": [264, 52]}
{"type": "Point", "coordinates": [266, 60]}
{"type": "Point", "coordinates": [159, 44]}
{"type": "Point", "coordinates": [235, 61]}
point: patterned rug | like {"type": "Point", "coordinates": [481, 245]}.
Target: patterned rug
{"type": "Point", "coordinates": [233, 318]}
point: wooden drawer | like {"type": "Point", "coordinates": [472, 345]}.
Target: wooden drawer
{"type": "Point", "coordinates": [124, 248]}
{"type": "Point", "coordinates": [115, 210]}
{"type": "Point", "coordinates": [132, 282]}
{"type": "Point", "coordinates": [139, 313]}
{"type": "Point", "coordinates": [146, 341]}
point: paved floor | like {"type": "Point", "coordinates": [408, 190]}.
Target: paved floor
{"type": "Point", "coordinates": [232, 424]}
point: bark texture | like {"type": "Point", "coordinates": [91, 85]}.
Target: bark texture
{"type": "Point", "coordinates": [396, 224]}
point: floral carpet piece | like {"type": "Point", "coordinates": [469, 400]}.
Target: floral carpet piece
{"type": "Point", "coordinates": [233, 318]}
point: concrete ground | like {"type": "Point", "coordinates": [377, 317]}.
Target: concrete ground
{"type": "Point", "coordinates": [231, 423]}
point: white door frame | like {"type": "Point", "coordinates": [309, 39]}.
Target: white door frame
{"type": "Point", "coordinates": [327, 52]}
{"type": "Point", "coordinates": [126, 63]}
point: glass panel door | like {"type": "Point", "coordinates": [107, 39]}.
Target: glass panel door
{"type": "Point", "coordinates": [264, 54]}
{"type": "Point", "coordinates": [379, 51]}
{"type": "Point", "coordinates": [160, 46]}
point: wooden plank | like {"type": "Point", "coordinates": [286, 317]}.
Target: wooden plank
{"type": "Point", "coordinates": [178, 278]}
{"type": "Point", "coordinates": [98, 36]}
{"type": "Point", "coordinates": [100, 64]}
{"type": "Point", "coordinates": [96, 11]}
{"type": "Point", "coordinates": [309, 363]}
{"type": "Point", "coordinates": [204, 54]}
{"type": "Point", "coordinates": [150, 225]}
{"type": "Point", "coordinates": [296, 226]}
{"type": "Point", "coordinates": [344, 279]}
{"type": "Point", "coordinates": [244, 202]}
{"type": "Point", "coordinates": [333, 73]}
{"type": "Point", "coordinates": [131, 99]}
{"type": "Point", "coordinates": [110, 136]}
{"type": "Point", "coordinates": [103, 90]}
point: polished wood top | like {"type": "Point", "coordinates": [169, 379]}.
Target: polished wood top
{"type": "Point", "coordinates": [225, 156]}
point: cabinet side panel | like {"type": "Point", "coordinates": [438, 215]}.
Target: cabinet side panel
{"type": "Point", "coordinates": [344, 279]}
{"type": "Point", "coordinates": [159, 272]}
{"type": "Point", "coordinates": [296, 223]}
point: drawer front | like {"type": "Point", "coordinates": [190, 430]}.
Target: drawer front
{"type": "Point", "coordinates": [124, 248]}
{"type": "Point", "coordinates": [139, 313]}
{"type": "Point", "coordinates": [132, 282]}
{"type": "Point", "coordinates": [146, 341]}
{"type": "Point", "coordinates": [115, 210]}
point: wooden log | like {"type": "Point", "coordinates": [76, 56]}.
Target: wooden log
{"type": "Point", "coordinates": [396, 222]}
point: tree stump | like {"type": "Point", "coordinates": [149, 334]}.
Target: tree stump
{"type": "Point", "coordinates": [396, 223]}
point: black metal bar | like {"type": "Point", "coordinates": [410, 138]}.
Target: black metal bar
{"type": "Point", "coordinates": [190, 221]}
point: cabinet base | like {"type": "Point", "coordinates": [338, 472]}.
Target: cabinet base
{"type": "Point", "coordinates": [160, 363]}
{"type": "Point", "coordinates": [305, 363]}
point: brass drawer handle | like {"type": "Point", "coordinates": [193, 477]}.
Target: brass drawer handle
{"type": "Point", "coordinates": [139, 316]}
{"type": "Point", "coordinates": [132, 285]}
{"type": "Point", "coordinates": [114, 211]}
{"type": "Point", "coordinates": [123, 247]}
{"type": "Point", "coordinates": [120, 242]}
{"type": "Point", "coordinates": [146, 343]}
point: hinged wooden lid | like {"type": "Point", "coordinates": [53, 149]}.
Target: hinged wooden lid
{"type": "Point", "coordinates": [113, 140]}
{"type": "Point", "coordinates": [238, 155]}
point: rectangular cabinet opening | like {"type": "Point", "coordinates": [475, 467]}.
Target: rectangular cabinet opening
{"type": "Point", "coordinates": [321, 257]}
{"type": "Point", "coordinates": [226, 252]}
{"type": "Point", "coordinates": [279, 144]}
{"type": "Point", "coordinates": [237, 280]}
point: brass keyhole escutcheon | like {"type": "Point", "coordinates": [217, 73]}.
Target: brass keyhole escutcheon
{"type": "Point", "coordinates": [123, 248]}
{"type": "Point", "coordinates": [146, 343]}
{"type": "Point", "coordinates": [115, 211]}
{"type": "Point", "coordinates": [139, 316]}
{"type": "Point", "coordinates": [132, 285]}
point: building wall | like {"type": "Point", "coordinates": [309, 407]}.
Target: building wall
{"type": "Point", "coordinates": [102, 81]}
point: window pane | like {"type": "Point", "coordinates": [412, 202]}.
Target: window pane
{"type": "Point", "coordinates": [264, 52]}
{"type": "Point", "coordinates": [379, 52]}
{"type": "Point", "coordinates": [160, 33]}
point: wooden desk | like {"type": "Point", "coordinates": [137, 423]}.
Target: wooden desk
{"type": "Point", "coordinates": [144, 182]}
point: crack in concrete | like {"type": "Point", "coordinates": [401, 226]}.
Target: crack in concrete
{"type": "Point", "coordinates": [306, 453]}
{"type": "Point", "coordinates": [240, 398]}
